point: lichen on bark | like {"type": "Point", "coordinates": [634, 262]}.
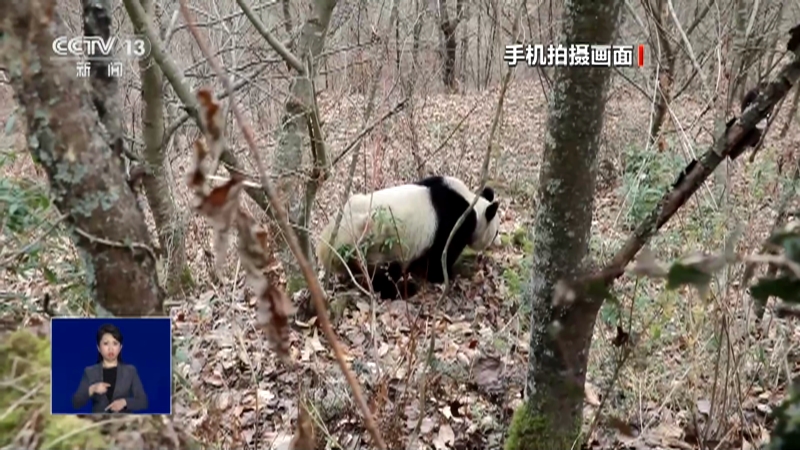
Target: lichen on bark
{"type": "Point", "coordinates": [85, 177]}
{"type": "Point", "coordinates": [552, 414]}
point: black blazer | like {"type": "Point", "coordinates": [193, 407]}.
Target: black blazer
{"type": "Point", "coordinates": [127, 386]}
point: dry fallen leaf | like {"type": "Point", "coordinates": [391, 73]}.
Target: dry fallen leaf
{"type": "Point", "coordinates": [625, 431]}
{"type": "Point", "coordinates": [214, 379]}
{"type": "Point", "coordinates": [487, 372]}
{"type": "Point", "coordinates": [704, 406]}
{"type": "Point", "coordinates": [427, 425]}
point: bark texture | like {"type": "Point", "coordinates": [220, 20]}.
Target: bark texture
{"type": "Point", "coordinates": [87, 182]}
{"type": "Point", "coordinates": [561, 335]}
{"type": "Point", "coordinates": [97, 22]}
{"type": "Point", "coordinates": [165, 214]}
{"type": "Point", "coordinates": [449, 43]}
{"type": "Point", "coordinates": [294, 130]}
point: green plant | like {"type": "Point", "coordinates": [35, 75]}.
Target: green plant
{"type": "Point", "coordinates": [646, 175]}
{"type": "Point", "coordinates": [22, 203]}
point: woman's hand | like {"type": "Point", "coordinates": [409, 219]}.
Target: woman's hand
{"type": "Point", "coordinates": [98, 388]}
{"type": "Point", "coordinates": [117, 405]}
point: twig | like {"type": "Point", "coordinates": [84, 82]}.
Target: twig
{"type": "Point", "coordinates": [397, 108]}
{"type": "Point", "coordinates": [243, 81]}
{"type": "Point", "coordinates": [689, 50]}
{"type": "Point", "coordinates": [452, 132]}
{"type": "Point", "coordinates": [778, 260]}
{"type": "Point", "coordinates": [109, 243]}
{"type": "Point", "coordinates": [246, 183]}
{"type": "Point", "coordinates": [280, 213]}
{"type": "Point", "coordinates": [32, 243]}
{"type": "Point", "coordinates": [288, 56]}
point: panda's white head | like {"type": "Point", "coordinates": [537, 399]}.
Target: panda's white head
{"type": "Point", "coordinates": [487, 226]}
{"type": "Point", "coordinates": [488, 223]}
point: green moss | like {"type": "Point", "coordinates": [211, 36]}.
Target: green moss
{"type": "Point", "coordinates": [25, 358]}
{"type": "Point", "coordinates": [60, 432]}
{"type": "Point", "coordinates": [529, 431]}
{"type": "Point", "coordinates": [521, 240]}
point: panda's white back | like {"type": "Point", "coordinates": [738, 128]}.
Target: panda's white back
{"type": "Point", "coordinates": [407, 211]}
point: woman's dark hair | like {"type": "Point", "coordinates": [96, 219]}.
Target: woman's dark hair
{"type": "Point", "coordinates": [114, 332]}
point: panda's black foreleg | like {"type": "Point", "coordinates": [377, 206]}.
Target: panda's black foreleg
{"type": "Point", "coordinates": [383, 283]}
{"type": "Point", "coordinates": [391, 283]}
{"type": "Point", "coordinates": [400, 278]}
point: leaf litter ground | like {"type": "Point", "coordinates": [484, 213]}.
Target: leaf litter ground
{"type": "Point", "coordinates": [677, 388]}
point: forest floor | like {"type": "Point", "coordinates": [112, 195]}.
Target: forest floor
{"type": "Point", "coordinates": [696, 370]}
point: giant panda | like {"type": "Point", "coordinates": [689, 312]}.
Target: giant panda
{"type": "Point", "coordinates": [403, 230]}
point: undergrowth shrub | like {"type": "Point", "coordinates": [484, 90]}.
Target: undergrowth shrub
{"type": "Point", "coordinates": [32, 237]}
{"type": "Point", "coordinates": [646, 176]}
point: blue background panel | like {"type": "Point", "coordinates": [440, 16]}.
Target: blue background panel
{"type": "Point", "coordinates": [146, 344]}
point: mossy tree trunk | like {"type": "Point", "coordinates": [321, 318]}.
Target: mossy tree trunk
{"type": "Point", "coordinates": [86, 179]}
{"type": "Point", "coordinates": [165, 214]}
{"type": "Point", "coordinates": [551, 417]}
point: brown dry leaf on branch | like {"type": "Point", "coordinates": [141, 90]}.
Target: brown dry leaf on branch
{"type": "Point", "coordinates": [222, 207]}
{"type": "Point", "coordinates": [211, 117]}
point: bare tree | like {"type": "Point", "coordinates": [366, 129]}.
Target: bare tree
{"type": "Point", "coordinates": [450, 42]}
{"type": "Point", "coordinates": [666, 77]}
{"type": "Point", "coordinates": [552, 415]}
{"type": "Point", "coordinates": [86, 179]}
{"type": "Point", "coordinates": [165, 214]}
{"type": "Point", "coordinates": [289, 155]}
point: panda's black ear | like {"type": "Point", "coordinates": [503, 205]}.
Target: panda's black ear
{"type": "Point", "coordinates": [491, 211]}
{"type": "Point", "coordinates": [488, 193]}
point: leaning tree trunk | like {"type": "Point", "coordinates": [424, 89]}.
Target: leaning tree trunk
{"type": "Point", "coordinates": [551, 417]}
{"type": "Point", "coordinates": [86, 180]}
{"type": "Point", "coordinates": [156, 187]}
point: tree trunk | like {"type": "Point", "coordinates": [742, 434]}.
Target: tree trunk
{"type": "Point", "coordinates": [169, 225]}
{"type": "Point", "coordinates": [86, 179]}
{"type": "Point", "coordinates": [741, 54]}
{"type": "Point", "coordinates": [448, 28]}
{"type": "Point", "coordinates": [552, 415]}
{"type": "Point", "coordinates": [463, 69]}
{"type": "Point", "coordinates": [289, 154]}
{"type": "Point", "coordinates": [97, 22]}
{"type": "Point", "coordinates": [659, 12]}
